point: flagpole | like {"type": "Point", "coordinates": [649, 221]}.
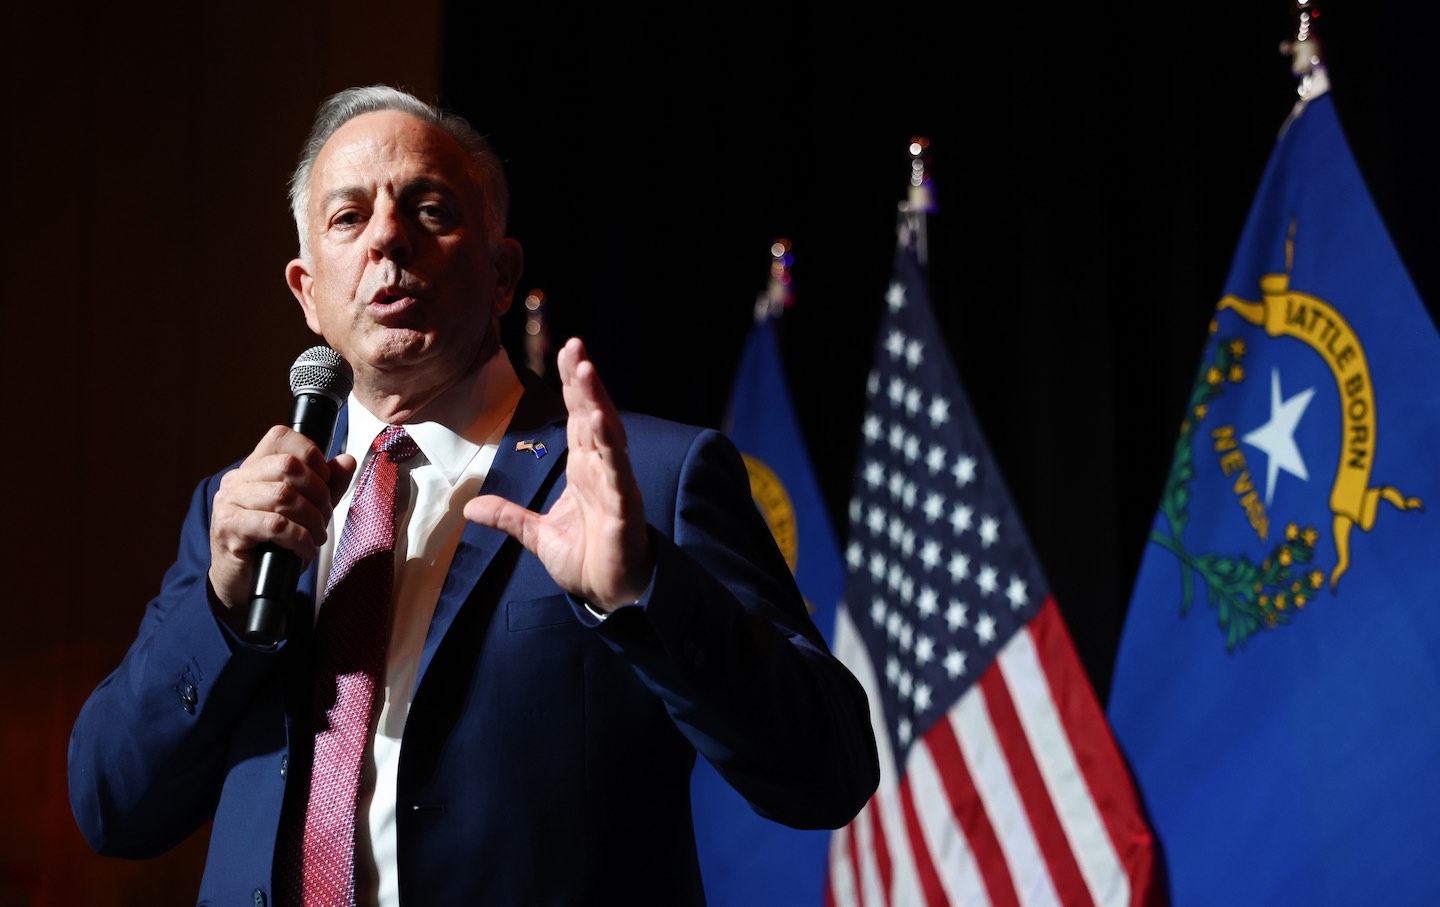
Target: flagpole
{"type": "Point", "coordinates": [920, 200]}
{"type": "Point", "coordinates": [777, 296]}
{"type": "Point", "coordinates": [1305, 60]}
{"type": "Point", "coordinates": [537, 334]}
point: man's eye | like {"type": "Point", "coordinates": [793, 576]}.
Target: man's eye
{"type": "Point", "coordinates": [435, 213]}
{"type": "Point", "coordinates": [346, 219]}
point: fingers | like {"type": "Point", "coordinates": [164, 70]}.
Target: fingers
{"type": "Point", "coordinates": [594, 419]}
{"type": "Point", "coordinates": [288, 476]}
{"type": "Point", "coordinates": [284, 493]}
{"type": "Point", "coordinates": [577, 401]}
{"type": "Point", "coordinates": [593, 539]}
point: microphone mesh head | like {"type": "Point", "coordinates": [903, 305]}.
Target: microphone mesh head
{"type": "Point", "coordinates": [321, 370]}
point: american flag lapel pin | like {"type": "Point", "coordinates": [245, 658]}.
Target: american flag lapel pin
{"type": "Point", "coordinates": [535, 447]}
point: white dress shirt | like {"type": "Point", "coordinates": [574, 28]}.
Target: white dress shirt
{"type": "Point", "coordinates": [456, 451]}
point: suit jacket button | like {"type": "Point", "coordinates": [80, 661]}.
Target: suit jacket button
{"type": "Point", "coordinates": [284, 766]}
{"type": "Point", "coordinates": [257, 897]}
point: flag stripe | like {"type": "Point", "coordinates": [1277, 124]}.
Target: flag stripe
{"type": "Point", "coordinates": [930, 887]}
{"type": "Point", "coordinates": [878, 891]}
{"type": "Point", "coordinates": [875, 853]}
{"type": "Point", "coordinates": [1074, 757]}
{"type": "Point", "coordinates": [1015, 865]}
{"type": "Point", "coordinates": [1039, 858]}
{"type": "Point", "coordinates": [854, 857]}
{"type": "Point", "coordinates": [983, 869]}
{"type": "Point", "coordinates": [982, 798]}
{"type": "Point", "coordinates": [1021, 705]}
{"type": "Point", "coordinates": [840, 880]}
{"type": "Point", "coordinates": [938, 759]}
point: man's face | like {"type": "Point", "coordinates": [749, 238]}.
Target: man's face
{"type": "Point", "coordinates": [401, 281]}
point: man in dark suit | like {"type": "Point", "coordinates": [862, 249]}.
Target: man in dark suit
{"type": "Point", "coordinates": [582, 600]}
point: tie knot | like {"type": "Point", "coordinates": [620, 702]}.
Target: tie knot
{"type": "Point", "coordinates": [395, 442]}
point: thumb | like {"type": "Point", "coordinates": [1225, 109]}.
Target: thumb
{"type": "Point", "coordinates": [342, 469]}
{"type": "Point", "coordinates": [498, 513]}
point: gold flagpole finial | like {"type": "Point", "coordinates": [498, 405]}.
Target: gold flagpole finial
{"type": "Point", "coordinates": [537, 335]}
{"type": "Point", "coordinates": [777, 296]}
{"type": "Point", "coordinates": [1305, 62]}
{"type": "Point", "coordinates": [920, 200]}
{"type": "Point", "coordinates": [922, 194]}
{"type": "Point", "coordinates": [1304, 53]}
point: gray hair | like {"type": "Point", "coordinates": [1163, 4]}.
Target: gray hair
{"type": "Point", "coordinates": [338, 109]}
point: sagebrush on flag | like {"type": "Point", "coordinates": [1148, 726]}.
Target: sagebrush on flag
{"type": "Point", "coordinates": [1000, 781]}
{"type": "Point", "coordinates": [745, 860]}
{"type": "Point", "coordinates": [1277, 677]}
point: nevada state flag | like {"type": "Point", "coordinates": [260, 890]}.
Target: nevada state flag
{"type": "Point", "coordinates": [1277, 688]}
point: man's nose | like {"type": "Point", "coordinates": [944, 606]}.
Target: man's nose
{"type": "Point", "coordinates": [389, 237]}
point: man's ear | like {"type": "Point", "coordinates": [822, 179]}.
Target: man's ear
{"type": "Point", "coordinates": [509, 262]}
{"type": "Point", "coordinates": [297, 276]}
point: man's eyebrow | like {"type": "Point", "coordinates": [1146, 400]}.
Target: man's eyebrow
{"type": "Point", "coordinates": [418, 186]}
{"type": "Point", "coordinates": [342, 194]}
{"type": "Point", "coordinates": [424, 184]}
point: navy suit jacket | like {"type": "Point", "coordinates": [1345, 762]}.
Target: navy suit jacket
{"type": "Point", "coordinates": [546, 757]}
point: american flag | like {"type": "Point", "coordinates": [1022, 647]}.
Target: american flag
{"type": "Point", "coordinates": [1001, 783]}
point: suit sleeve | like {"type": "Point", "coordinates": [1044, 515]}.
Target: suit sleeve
{"type": "Point", "coordinates": [149, 750]}
{"type": "Point", "coordinates": [723, 638]}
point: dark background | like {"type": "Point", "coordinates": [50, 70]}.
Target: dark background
{"type": "Point", "coordinates": [1093, 166]}
{"type": "Point", "coordinates": [1092, 172]}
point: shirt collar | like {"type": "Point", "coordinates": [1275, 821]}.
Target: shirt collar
{"type": "Point", "coordinates": [491, 392]}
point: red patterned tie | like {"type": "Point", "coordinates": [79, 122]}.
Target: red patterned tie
{"type": "Point", "coordinates": [350, 640]}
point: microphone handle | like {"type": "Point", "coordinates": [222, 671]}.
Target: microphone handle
{"type": "Point", "coordinates": [277, 570]}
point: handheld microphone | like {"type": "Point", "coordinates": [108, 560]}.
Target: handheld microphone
{"type": "Point", "coordinates": [320, 380]}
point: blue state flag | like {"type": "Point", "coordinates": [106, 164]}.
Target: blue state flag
{"type": "Point", "coordinates": [761, 421]}
{"type": "Point", "coordinates": [746, 860]}
{"type": "Point", "coordinates": [1277, 687]}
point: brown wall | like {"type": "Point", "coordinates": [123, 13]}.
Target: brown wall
{"type": "Point", "coordinates": [146, 341]}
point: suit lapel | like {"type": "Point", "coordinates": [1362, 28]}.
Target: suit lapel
{"type": "Point", "coordinates": [519, 473]}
